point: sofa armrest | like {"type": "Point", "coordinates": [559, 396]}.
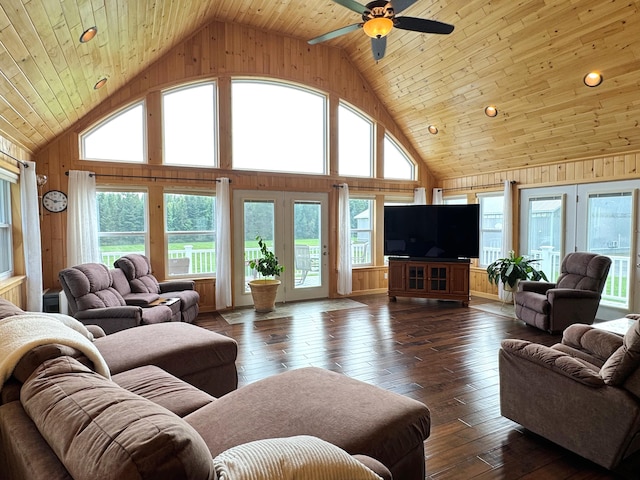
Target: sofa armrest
{"type": "Point", "coordinates": [594, 341]}
{"type": "Point", "coordinates": [554, 360]}
{"type": "Point", "coordinates": [534, 286]}
{"type": "Point", "coordinates": [570, 293]}
{"type": "Point", "coordinates": [96, 331]}
{"type": "Point", "coordinates": [177, 285]}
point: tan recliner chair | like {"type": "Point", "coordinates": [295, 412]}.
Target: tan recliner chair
{"type": "Point", "coordinates": [583, 393]}
{"type": "Point", "coordinates": [573, 298]}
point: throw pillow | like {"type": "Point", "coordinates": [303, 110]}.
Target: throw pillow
{"type": "Point", "coordinates": [290, 458]}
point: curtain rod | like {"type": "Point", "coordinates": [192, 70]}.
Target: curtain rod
{"type": "Point", "coordinates": [24, 164]}
{"type": "Point", "coordinates": [356, 187]}
{"type": "Point", "coordinates": [155, 179]}
{"type": "Point", "coordinates": [488, 185]}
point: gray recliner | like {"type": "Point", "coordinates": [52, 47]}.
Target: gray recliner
{"type": "Point", "coordinates": [582, 394]}
{"type": "Point", "coordinates": [137, 269]}
{"type": "Point", "coordinates": [573, 298]}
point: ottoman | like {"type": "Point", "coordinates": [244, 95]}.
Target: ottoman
{"type": "Point", "coordinates": [356, 416]}
{"type": "Point", "coordinates": [195, 355]}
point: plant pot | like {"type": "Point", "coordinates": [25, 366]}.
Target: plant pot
{"type": "Point", "coordinates": [264, 294]}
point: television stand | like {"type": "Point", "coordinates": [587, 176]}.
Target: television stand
{"type": "Point", "coordinates": [443, 279]}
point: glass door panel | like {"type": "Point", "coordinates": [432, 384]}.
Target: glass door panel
{"type": "Point", "coordinates": [545, 240]}
{"type": "Point", "coordinates": [307, 229]}
{"type": "Point", "coordinates": [259, 220]}
{"type": "Point", "coordinates": [610, 233]}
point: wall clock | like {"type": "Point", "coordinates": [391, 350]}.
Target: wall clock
{"type": "Point", "coordinates": [55, 201]}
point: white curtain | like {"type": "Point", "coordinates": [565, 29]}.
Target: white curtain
{"type": "Point", "coordinates": [419, 196]}
{"type": "Point", "coordinates": [31, 233]}
{"type": "Point", "coordinates": [223, 244]}
{"type": "Point", "coordinates": [344, 242]}
{"type": "Point", "coordinates": [437, 196]}
{"type": "Point", "coordinates": [507, 232]}
{"type": "Point", "coordinates": [82, 219]}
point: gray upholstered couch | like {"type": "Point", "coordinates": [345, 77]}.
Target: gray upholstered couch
{"type": "Point", "coordinates": [583, 393]}
{"type": "Point", "coordinates": [153, 421]}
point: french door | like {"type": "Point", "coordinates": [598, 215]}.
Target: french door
{"type": "Point", "coordinates": [294, 226]}
{"type": "Point", "coordinates": [598, 217]}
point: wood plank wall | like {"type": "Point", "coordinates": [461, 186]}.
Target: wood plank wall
{"type": "Point", "coordinates": [221, 51]}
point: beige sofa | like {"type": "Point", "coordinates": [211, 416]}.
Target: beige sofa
{"type": "Point", "coordinates": [583, 393]}
{"type": "Point", "coordinates": [159, 417]}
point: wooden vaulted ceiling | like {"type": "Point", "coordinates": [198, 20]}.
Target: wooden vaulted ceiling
{"type": "Point", "coordinates": [527, 58]}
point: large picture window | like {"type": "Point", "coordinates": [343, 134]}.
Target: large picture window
{"type": "Point", "coordinates": [189, 127]}
{"type": "Point", "coordinates": [278, 127]}
{"type": "Point", "coordinates": [355, 143]}
{"type": "Point", "coordinates": [397, 164]}
{"type": "Point", "coordinates": [362, 215]}
{"type": "Point", "coordinates": [491, 221]}
{"type": "Point", "coordinates": [119, 138]}
{"type": "Point", "coordinates": [190, 230]}
{"type": "Point", "coordinates": [122, 224]}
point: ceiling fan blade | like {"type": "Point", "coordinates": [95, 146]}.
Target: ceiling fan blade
{"type": "Point", "coordinates": [378, 47]}
{"type": "Point", "coordinates": [352, 5]}
{"type": "Point", "coordinates": [334, 33]}
{"type": "Point", "coordinates": [422, 25]}
{"type": "Point", "coordinates": [400, 5]}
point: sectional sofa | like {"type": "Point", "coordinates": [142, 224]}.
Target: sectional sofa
{"type": "Point", "coordinates": [160, 402]}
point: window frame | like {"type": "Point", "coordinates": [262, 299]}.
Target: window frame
{"type": "Point", "coordinates": [6, 226]}
{"type": "Point", "coordinates": [145, 234]}
{"type": "Point", "coordinates": [215, 160]}
{"type": "Point", "coordinates": [104, 121]}
{"type": "Point", "coordinates": [483, 230]}
{"type": "Point", "coordinates": [167, 233]}
{"type": "Point", "coordinates": [371, 231]}
{"type": "Point", "coordinates": [372, 136]}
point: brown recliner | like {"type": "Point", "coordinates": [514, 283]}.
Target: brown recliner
{"type": "Point", "coordinates": [137, 269]}
{"type": "Point", "coordinates": [573, 298]}
{"type": "Point", "coordinates": [582, 394]}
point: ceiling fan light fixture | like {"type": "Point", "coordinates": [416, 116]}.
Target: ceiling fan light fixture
{"type": "Point", "coordinates": [378, 27]}
{"type": "Point", "coordinates": [592, 79]}
{"type": "Point", "coordinates": [433, 130]}
{"type": "Point", "coordinates": [490, 111]}
{"type": "Point", "coordinates": [88, 34]}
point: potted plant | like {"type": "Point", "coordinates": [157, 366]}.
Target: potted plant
{"type": "Point", "coordinates": [509, 271]}
{"type": "Point", "coordinates": [265, 289]}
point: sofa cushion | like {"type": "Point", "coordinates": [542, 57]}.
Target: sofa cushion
{"type": "Point", "coordinates": [625, 360]}
{"type": "Point", "coordinates": [36, 356]}
{"type": "Point", "coordinates": [162, 388]}
{"type": "Point", "coordinates": [301, 456]}
{"type": "Point", "coordinates": [100, 430]}
{"type": "Point", "coordinates": [91, 285]}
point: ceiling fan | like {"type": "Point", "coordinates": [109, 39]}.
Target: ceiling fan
{"type": "Point", "coordinates": [378, 18]}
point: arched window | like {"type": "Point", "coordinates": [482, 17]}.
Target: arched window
{"type": "Point", "coordinates": [119, 138]}
{"type": "Point", "coordinates": [189, 127]}
{"type": "Point", "coordinates": [278, 127]}
{"type": "Point", "coordinates": [397, 163]}
{"type": "Point", "coordinates": [355, 143]}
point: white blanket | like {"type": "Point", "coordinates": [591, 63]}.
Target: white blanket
{"type": "Point", "coordinates": [21, 333]}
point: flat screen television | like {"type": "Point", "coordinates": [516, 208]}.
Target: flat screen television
{"type": "Point", "coordinates": [432, 231]}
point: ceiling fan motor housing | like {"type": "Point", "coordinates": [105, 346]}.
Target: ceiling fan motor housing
{"type": "Point", "coordinates": [378, 9]}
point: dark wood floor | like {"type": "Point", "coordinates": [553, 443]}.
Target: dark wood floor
{"type": "Point", "coordinates": [439, 353]}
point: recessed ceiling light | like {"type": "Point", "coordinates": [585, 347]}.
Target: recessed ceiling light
{"type": "Point", "coordinates": [490, 111]}
{"type": "Point", "coordinates": [592, 79]}
{"type": "Point", "coordinates": [88, 34]}
{"type": "Point", "coordinates": [100, 83]}
{"type": "Point", "coordinates": [432, 129]}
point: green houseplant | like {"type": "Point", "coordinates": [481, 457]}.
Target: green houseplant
{"type": "Point", "coordinates": [265, 289]}
{"type": "Point", "coordinates": [512, 269]}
